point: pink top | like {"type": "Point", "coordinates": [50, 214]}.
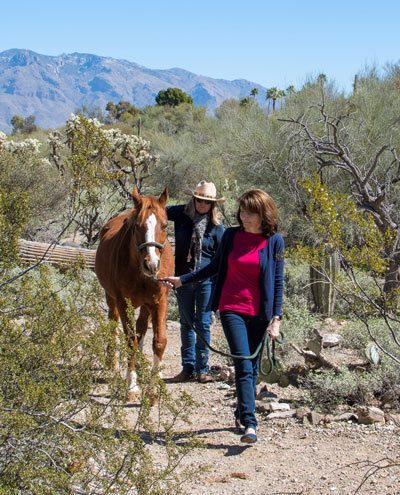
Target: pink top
{"type": "Point", "coordinates": [241, 290]}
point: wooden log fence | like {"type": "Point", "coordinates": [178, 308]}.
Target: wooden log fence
{"type": "Point", "coordinates": [32, 252]}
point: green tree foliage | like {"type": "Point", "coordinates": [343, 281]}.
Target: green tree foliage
{"type": "Point", "coordinates": [23, 125]}
{"type": "Point", "coordinates": [353, 139]}
{"type": "Point", "coordinates": [173, 97]}
{"type": "Point", "coordinates": [17, 123]}
{"type": "Point", "coordinates": [363, 259]}
{"type": "Point", "coordinates": [25, 172]}
{"type": "Point", "coordinates": [123, 111]}
{"type": "Point", "coordinates": [254, 93]}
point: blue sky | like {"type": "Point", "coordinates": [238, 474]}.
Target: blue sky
{"type": "Point", "coordinates": [271, 43]}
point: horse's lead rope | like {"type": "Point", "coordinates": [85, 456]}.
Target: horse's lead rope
{"type": "Point", "coordinates": [265, 343]}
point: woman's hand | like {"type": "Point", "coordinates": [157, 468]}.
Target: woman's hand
{"type": "Point", "coordinates": [273, 328]}
{"type": "Point", "coordinates": [172, 282]}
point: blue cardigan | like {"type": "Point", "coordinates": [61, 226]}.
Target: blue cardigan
{"type": "Point", "coordinates": [183, 227]}
{"type": "Point", "coordinates": [271, 277]}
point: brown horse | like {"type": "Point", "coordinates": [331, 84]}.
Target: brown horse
{"type": "Point", "coordinates": [133, 254]}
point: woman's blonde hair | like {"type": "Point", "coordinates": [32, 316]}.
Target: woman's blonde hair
{"type": "Point", "coordinates": [258, 201]}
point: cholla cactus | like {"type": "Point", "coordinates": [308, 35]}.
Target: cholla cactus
{"type": "Point", "coordinates": [31, 146]}
{"type": "Point", "coordinates": [56, 144]}
{"type": "Point", "coordinates": [3, 140]}
{"type": "Point", "coordinates": [124, 157]}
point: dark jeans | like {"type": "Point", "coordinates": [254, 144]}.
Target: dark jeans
{"type": "Point", "coordinates": [194, 301]}
{"type": "Point", "coordinates": [244, 333]}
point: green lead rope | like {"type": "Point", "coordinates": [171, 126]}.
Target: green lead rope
{"type": "Point", "coordinates": [264, 344]}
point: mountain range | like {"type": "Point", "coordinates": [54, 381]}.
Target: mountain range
{"type": "Point", "coordinates": [51, 87]}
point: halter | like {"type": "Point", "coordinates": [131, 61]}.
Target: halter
{"type": "Point", "coordinates": [152, 243]}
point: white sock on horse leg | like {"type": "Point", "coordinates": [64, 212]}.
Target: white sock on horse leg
{"type": "Point", "coordinates": [131, 378]}
{"type": "Point", "coordinates": [157, 364]}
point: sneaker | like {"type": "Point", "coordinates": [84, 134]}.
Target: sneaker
{"type": "Point", "coordinates": [183, 376]}
{"type": "Point", "coordinates": [204, 378]}
{"type": "Point", "coordinates": [249, 435]}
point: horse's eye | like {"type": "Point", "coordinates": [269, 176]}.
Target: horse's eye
{"type": "Point", "coordinates": [164, 227]}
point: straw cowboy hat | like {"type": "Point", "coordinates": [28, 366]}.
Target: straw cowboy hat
{"type": "Point", "coordinates": [205, 190]}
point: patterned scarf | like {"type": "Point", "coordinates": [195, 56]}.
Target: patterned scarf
{"type": "Point", "coordinates": [200, 223]}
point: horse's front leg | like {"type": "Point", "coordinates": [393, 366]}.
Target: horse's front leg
{"type": "Point", "coordinates": [159, 317]}
{"type": "Point", "coordinates": [132, 341]}
{"type": "Point", "coordinates": [113, 314]}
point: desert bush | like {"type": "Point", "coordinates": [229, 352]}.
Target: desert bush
{"type": "Point", "coordinates": [57, 434]}
{"type": "Point", "coordinates": [329, 389]}
{"type": "Point", "coordinates": [24, 171]}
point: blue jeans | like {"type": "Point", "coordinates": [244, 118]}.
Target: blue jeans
{"type": "Point", "coordinates": [194, 302]}
{"type": "Point", "coordinates": [244, 333]}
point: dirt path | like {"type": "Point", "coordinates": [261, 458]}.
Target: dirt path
{"type": "Point", "coordinates": [289, 458]}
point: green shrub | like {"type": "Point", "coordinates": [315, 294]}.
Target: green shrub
{"type": "Point", "coordinates": [328, 389]}
{"type": "Point", "coordinates": [58, 432]}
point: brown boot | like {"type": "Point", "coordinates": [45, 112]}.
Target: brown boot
{"type": "Point", "coordinates": [183, 376]}
{"type": "Point", "coordinates": [204, 378]}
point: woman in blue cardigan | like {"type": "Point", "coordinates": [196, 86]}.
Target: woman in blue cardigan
{"type": "Point", "coordinates": [248, 292]}
{"type": "Point", "coordinates": [198, 232]}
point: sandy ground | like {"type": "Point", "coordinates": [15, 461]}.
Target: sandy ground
{"type": "Point", "coordinates": [289, 458]}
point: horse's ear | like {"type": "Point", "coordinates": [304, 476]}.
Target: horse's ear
{"type": "Point", "coordinates": [163, 198]}
{"type": "Point", "coordinates": [137, 198]}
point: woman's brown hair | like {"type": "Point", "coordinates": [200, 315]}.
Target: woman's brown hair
{"type": "Point", "coordinates": [258, 201]}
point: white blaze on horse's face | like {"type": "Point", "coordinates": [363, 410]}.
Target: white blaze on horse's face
{"type": "Point", "coordinates": [150, 236]}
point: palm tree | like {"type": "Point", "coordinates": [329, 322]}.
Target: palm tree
{"type": "Point", "coordinates": [290, 90]}
{"type": "Point", "coordinates": [322, 79]}
{"type": "Point", "coordinates": [281, 95]}
{"type": "Point", "coordinates": [272, 94]}
{"type": "Point", "coordinates": [355, 85]}
{"type": "Point", "coordinates": [254, 92]}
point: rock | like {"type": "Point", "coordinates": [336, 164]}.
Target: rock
{"type": "Point", "coordinates": [279, 406]}
{"type": "Point", "coordinates": [263, 407]}
{"type": "Point", "coordinates": [302, 412]}
{"type": "Point", "coordinates": [284, 380]}
{"type": "Point", "coordinates": [368, 415]}
{"type": "Point", "coordinates": [282, 414]}
{"type": "Point", "coordinates": [267, 397]}
{"type": "Point", "coordinates": [227, 374]}
{"type": "Point", "coordinates": [261, 387]}
{"type": "Point", "coordinates": [70, 244]}
{"type": "Point", "coordinates": [224, 386]}
{"type": "Point", "coordinates": [315, 343]}
{"type": "Point", "coordinates": [345, 417]}
{"type": "Point", "coordinates": [315, 418]}
{"type": "Point", "coordinates": [331, 340]}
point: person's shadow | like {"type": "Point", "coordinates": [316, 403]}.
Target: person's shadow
{"type": "Point", "coordinates": [231, 450]}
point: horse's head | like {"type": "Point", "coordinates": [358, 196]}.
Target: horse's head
{"type": "Point", "coordinates": [150, 233]}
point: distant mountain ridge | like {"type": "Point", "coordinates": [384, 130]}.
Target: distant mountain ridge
{"type": "Point", "coordinates": [51, 87]}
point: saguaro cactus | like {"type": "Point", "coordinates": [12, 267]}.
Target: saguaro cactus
{"type": "Point", "coordinates": [322, 281]}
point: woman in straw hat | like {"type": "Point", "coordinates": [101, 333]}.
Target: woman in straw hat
{"type": "Point", "coordinates": [198, 232]}
{"type": "Point", "coordinates": [248, 293]}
